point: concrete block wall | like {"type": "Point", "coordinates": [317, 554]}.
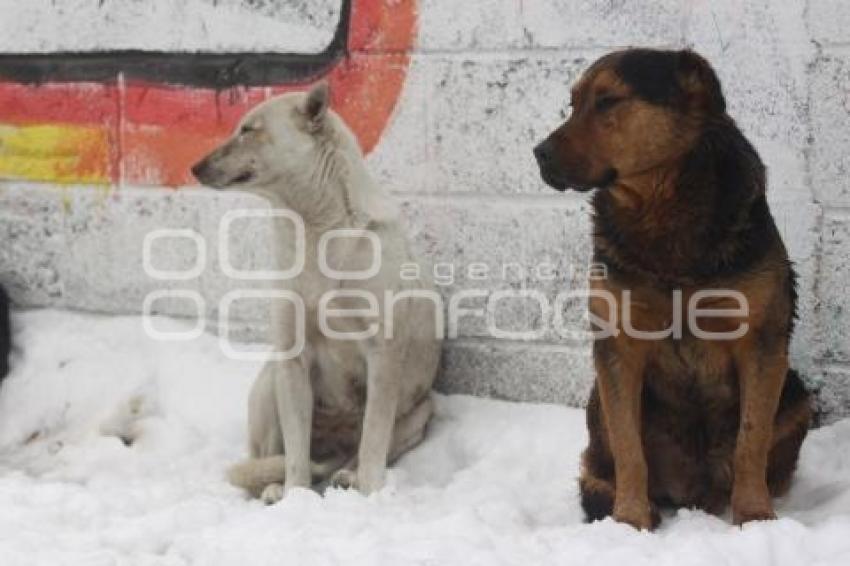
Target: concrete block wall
{"type": "Point", "coordinates": [830, 178]}
{"type": "Point", "coordinates": [829, 107]}
{"type": "Point", "coordinates": [484, 80]}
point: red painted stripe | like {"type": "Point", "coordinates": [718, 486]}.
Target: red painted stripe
{"type": "Point", "coordinates": [77, 103]}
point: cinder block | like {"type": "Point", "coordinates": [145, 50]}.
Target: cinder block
{"type": "Point", "coordinates": [365, 90]}
{"type": "Point", "coordinates": [829, 21]}
{"type": "Point", "coordinates": [401, 160]}
{"type": "Point", "coordinates": [33, 250]}
{"type": "Point", "coordinates": [249, 243]}
{"type": "Point", "coordinates": [291, 26]}
{"type": "Point", "coordinates": [462, 26]}
{"type": "Point", "coordinates": [474, 244]}
{"type": "Point", "coordinates": [105, 234]}
{"type": "Point", "coordinates": [586, 23]}
{"type": "Point", "coordinates": [830, 103]}
{"type": "Point", "coordinates": [517, 372]}
{"type": "Point", "coordinates": [382, 26]}
{"type": "Point", "coordinates": [487, 114]}
{"type": "Point", "coordinates": [834, 288]}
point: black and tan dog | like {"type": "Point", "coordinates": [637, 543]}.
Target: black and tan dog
{"type": "Point", "coordinates": [699, 419]}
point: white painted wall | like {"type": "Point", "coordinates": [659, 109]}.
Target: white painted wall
{"type": "Point", "coordinates": [42, 26]}
{"type": "Point", "coordinates": [487, 80]}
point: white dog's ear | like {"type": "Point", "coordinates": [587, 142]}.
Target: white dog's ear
{"type": "Point", "coordinates": [317, 102]}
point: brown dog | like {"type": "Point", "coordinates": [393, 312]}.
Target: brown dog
{"type": "Point", "coordinates": [711, 414]}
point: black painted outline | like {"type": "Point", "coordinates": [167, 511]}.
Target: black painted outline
{"type": "Point", "coordinates": [206, 70]}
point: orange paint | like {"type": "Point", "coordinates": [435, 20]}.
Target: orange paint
{"type": "Point", "coordinates": [63, 153]}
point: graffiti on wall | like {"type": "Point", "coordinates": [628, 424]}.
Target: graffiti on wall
{"type": "Point", "coordinates": [143, 117]}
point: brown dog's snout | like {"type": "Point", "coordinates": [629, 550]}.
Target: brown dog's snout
{"type": "Point", "coordinates": [563, 165]}
{"type": "Point", "coordinates": [544, 152]}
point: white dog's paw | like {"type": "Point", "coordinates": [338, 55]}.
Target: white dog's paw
{"type": "Point", "coordinates": [369, 483]}
{"type": "Point", "coordinates": [344, 479]}
{"type": "Point", "coordinates": [272, 493]}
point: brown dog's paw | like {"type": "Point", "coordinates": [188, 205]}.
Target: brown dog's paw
{"type": "Point", "coordinates": [741, 515]}
{"type": "Point", "coordinates": [752, 508]}
{"type": "Point", "coordinates": [641, 515]}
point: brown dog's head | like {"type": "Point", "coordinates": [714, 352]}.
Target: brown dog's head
{"type": "Point", "coordinates": [632, 111]}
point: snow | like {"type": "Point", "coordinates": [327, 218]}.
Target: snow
{"type": "Point", "coordinates": [494, 483]}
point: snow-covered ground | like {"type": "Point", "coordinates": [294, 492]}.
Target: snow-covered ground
{"type": "Point", "coordinates": [493, 484]}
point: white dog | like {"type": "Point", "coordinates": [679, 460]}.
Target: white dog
{"type": "Point", "coordinates": [347, 403]}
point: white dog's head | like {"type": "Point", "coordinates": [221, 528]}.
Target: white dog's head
{"type": "Point", "coordinates": [297, 152]}
{"type": "Point", "coordinates": [277, 144]}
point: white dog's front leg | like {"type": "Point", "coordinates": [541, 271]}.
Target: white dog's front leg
{"type": "Point", "coordinates": [295, 406]}
{"type": "Point", "coordinates": [382, 392]}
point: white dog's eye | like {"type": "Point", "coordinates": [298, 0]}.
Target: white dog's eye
{"type": "Point", "coordinates": [247, 128]}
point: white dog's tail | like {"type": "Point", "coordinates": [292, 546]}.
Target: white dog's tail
{"type": "Point", "coordinates": [254, 474]}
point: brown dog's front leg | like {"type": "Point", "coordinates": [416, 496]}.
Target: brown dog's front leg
{"type": "Point", "coordinates": [761, 376]}
{"type": "Point", "coordinates": [619, 374]}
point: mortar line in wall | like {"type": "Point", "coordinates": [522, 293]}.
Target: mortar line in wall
{"type": "Point", "coordinates": [840, 46]}
{"type": "Point", "coordinates": [507, 52]}
{"type": "Point", "coordinates": [685, 24]}
{"type": "Point", "coordinates": [571, 347]}
{"type": "Point", "coordinates": [817, 252]}
{"type": "Point", "coordinates": [834, 366]}
{"type": "Point", "coordinates": [837, 211]}
{"type": "Point", "coordinates": [568, 200]}
{"type": "Point", "coordinates": [564, 200]}
{"type": "Point", "coordinates": [428, 109]}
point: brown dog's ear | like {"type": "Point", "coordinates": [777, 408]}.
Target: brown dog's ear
{"type": "Point", "coordinates": [316, 105]}
{"type": "Point", "coordinates": [700, 83]}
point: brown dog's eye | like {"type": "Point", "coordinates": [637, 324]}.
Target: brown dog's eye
{"type": "Point", "coordinates": [606, 102]}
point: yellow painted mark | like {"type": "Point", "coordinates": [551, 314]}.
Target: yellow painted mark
{"type": "Point", "coordinates": [55, 152]}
